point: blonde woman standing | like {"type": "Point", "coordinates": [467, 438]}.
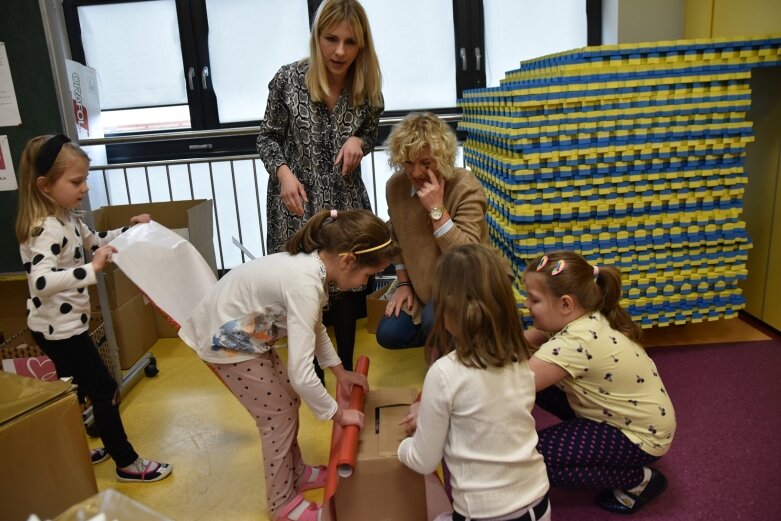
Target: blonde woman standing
{"type": "Point", "coordinates": [321, 120]}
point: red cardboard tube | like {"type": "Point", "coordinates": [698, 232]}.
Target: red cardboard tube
{"type": "Point", "coordinates": [349, 449]}
{"type": "Point", "coordinates": [344, 440]}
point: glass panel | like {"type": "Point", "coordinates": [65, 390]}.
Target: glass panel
{"type": "Point", "coordinates": [517, 31]}
{"type": "Point", "coordinates": [416, 53]}
{"type": "Point", "coordinates": [146, 120]}
{"type": "Point", "coordinates": [135, 49]}
{"type": "Point", "coordinates": [248, 42]}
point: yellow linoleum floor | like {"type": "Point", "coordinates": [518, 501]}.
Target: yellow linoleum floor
{"type": "Point", "coordinates": [186, 416]}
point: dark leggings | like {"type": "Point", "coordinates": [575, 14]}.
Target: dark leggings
{"type": "Point", "coordinates": [344, 309]}
{"type": "Point", "coordinates": [584, 454]}
{"type": "Point", "coordinates": [78, 357]}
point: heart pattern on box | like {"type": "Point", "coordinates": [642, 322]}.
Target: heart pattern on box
{"type": "Point", "coordinates": [38, 367]}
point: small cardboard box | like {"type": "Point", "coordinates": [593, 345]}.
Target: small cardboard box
{"type": "Point", "coordinates": [375, 308]}
{"type": "Point", "coordinates": [43, 448]}
{"type": "Point", "coordinates": [381, 488]}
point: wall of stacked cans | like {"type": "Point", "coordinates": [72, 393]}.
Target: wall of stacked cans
{"type": "Point", "coordinates": [631, 155]}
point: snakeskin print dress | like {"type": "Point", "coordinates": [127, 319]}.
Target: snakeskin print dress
{"type": "Point", "coordinates": [307, 138]}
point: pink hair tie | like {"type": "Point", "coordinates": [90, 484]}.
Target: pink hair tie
{"type": "Point", "coordinates": [333, 214]}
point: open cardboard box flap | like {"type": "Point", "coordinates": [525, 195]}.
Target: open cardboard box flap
{"type": "Point", "coordinates": [19, 394]}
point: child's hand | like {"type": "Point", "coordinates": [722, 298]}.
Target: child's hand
{"type": "Point", "coordinates": [345, 417]}
{"type": "Point", "coordinates": [410, 421]}
{"type": "Point", "coordinates": [350, 378]}
{"type": "Point", "coordinates": [102, 256]}
{"type": "Point", "coordinates": [138, 219]}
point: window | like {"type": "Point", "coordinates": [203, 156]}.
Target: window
{"type": "Point", "coordinates": [204, 65]}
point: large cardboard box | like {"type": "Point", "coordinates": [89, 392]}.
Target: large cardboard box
{"type": "Point", "coordinates": [381, 488]}
{"type": "Point", "coordinates": [45, 457]}
{"type": "Point", "coordinates": [13, 305]}
{"type": "Point", "coordinates": [137, 324]}
{"type": "Point", "coordinates": [192, 219]}
{"type": "Point", "coordinates": [134, 329]}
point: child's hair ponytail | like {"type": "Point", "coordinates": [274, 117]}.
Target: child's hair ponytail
{"type": "Point", "coordinates": [608, 279]}
{"type": "Point", "coordinates": [596, 288]}
{"type": "Point", "coordinates": [358, 233]}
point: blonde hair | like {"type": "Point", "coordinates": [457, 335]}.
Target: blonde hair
{"type": "Point", "coordinates": [473, 293]}
{"type": "Point", "coordinates": [419, 130]}
{"type": "Point", "coordinates": [364, 74]}
{"type": "Point", "coordinates": [595, 288]}
{"type": "Point", "coordinates": [34, 204]}
{"type": "Point", "coordinates": [346, 231]}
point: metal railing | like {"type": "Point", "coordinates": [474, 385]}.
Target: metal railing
{"type": "Point", "coordinates": [236, 184]}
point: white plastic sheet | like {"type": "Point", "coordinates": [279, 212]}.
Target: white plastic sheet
{"type": "Point", "coordinates": [165, 266]}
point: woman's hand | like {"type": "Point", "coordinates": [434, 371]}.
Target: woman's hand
{"type": "Point", "coordinates": [350, 154]}
{"type": "Point", "coordinates": [403, 297]}
{"type": "Point", "coordinates": [291, 191]}
{"type": "Point", "coordinates": [138, 219]}
{"type": "Point", "coordinates": [345, 417]}
{"type": "Point", "coordinates": [410, 421]}
{"type": "Point", "coordinates": [432, 194]}
{"type": "Point", "coordinates": [102, 256]}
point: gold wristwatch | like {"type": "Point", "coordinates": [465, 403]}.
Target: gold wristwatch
{"type": "Point", "coordinates": [436, 213]}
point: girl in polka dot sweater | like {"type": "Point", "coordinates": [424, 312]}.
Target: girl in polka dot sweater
{"type": "Point", "coordinates": [54, 244]}
{"type": "Point", "coordinates": [591, 373]}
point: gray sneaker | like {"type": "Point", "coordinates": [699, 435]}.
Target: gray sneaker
{"type": "Point", "coordinates": [144, 471]}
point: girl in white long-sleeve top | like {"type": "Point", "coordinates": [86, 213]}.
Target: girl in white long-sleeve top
{"type": "Point", "coordinates": [236, 325]}
{"type": "Point", "coordinates": [476, 403]}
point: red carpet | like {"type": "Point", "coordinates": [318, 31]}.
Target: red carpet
{"type": "Point", "coordinates": [725, 461]}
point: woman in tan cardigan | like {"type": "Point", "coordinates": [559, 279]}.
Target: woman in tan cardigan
{"type": "Point", "coordinates": [433, 207]}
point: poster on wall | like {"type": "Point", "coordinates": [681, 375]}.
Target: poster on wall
{"type": "Point", "coordinates": [83, 83]}
{"type": "Point", "coordinates": [9, 108]}
{"type": "Point", "coordinates": [7, 174]}
{"type": "Point", "coordinates": [85, 104]}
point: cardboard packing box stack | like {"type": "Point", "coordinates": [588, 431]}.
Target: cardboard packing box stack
{"type": "Point", "coordinates": [137, 324]}
{"type": "Point", "coordinates": [44, 474]}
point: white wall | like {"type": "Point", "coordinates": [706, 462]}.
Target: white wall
{"type": "Point", "coordinates": [631, 21]}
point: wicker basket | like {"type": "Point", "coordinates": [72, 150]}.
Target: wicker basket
{"type": "Point", "coordinates": [22, 345]}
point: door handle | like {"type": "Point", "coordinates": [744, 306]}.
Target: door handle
{"type": "Point", "coordinates": [462, 52]}
{"type": "Point", "coordinates": [204, 76]}
{"type": "Point", "coordinates": [190, 76]}
{"type": "Point", "coordinates": [478, 56]}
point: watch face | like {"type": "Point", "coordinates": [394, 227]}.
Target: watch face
{"type": "Point", "coordinates": [436, 213]}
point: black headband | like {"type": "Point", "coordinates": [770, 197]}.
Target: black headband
{"type": "Point", "coordinates": [49, 152]}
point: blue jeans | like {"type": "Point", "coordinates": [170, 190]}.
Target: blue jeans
{"type": "Point", "coordinates": [401, 333]}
